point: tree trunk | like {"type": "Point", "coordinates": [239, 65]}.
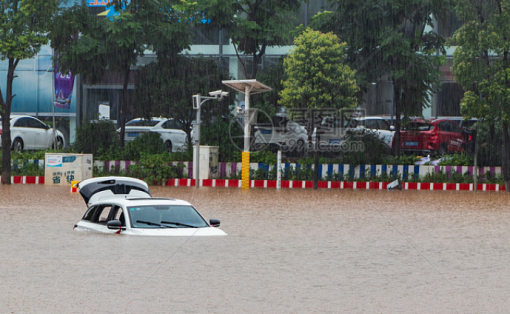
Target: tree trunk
{"type": "Point", "coordinates": [316, 167]}
{"type": "Point", "coordinates": [505, 157]}
{"type": "Point", "coordinates": [6, 147]}
{"type": "Point", "coordinates": [397, 99]}
{"type": "Point", "coordinates": [6, 123]}
{"type": "Point", "coordinates": [123, 105]}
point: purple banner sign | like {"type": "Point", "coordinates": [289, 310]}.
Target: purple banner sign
{"type": "Point", "coordinates": [63, 89]}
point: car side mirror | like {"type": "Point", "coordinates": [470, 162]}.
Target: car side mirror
{"type": "Point", "coordinates": [114, 224]}
{"type": "Point", "coordinates": [214, 222]}
{"type": "Point", "coordinates": [392, 128]}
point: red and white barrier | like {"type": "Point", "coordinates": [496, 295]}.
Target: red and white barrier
{"type": "Point", "coordinates": [339, 185]}
{"type": "Point", "coordinates": [271, 184]}
{"type": "Point", "coordinates": [25, 180]}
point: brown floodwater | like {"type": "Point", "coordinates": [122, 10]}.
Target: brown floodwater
{"type": "Point", "coordinates": [287, 251]}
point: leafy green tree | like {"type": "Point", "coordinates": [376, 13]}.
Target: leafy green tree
{"type": "Point", "coordinates": [317, 77]}
{"type": "Point", "coordinates": [392, 39]}
{"type": "Point", "coordinates": [93, 46]}
{"type": "Point", "coordinates": [24, 30]}
{"type": "Point", "coordinates": [252, 25]}
{"type": "Point", "coordinates": [481, 64]}
{"type": "Point", "coordinates": [177, 79]}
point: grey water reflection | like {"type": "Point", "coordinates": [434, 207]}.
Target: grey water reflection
{"type": "Point", "coordinates": [289, 251]}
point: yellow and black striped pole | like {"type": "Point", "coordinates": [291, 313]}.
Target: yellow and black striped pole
{"type": "Point", "coordinates": [245, 174]}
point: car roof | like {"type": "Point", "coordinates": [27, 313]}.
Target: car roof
{"type": "Point", "coordinates": [368, 117]}
{"type": "Point", "coordinates": [145, 201]}
{"type": "Point", "coordinates": [14, 116]}
{"type": "Point", "coordinates": [152, 119]}
{"type": "Point", "coordinates": [435, 121]}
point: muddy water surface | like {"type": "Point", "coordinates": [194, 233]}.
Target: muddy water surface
{"type": "Point", "coordinates": [289, 251]}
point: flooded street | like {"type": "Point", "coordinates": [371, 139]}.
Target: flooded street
{"type": "Point", "coordinates": [288, 251]}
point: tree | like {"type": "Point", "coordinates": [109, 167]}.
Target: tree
{"type": "Point", "coordinates": [481, 64]}
{"type": "Point", "coordinates": [316, 74]}
{"type": "Point", "coordinates": [392, 39]}
{"type": "Point", "coordinates": [253, 25]}
{"type": "Point", "coordinates": [177, 79]}
{"type": "Point", "coordinates": [23, 32]}
{"type": "Point", "coordinates": [93, 46]}
{"type": "Point", "coordinates": [317, 77]}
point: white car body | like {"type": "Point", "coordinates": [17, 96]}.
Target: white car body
{"type": "Point", "coordinates": [29, 133]}
{"type": "Point", "coordinates": [377, 125]}
{"type": "Point", "coordinates": [332, 132]}
{"type": "Point", "coordinates": [171, 133]}
{"type": "Point", "coordinates": [122, 205]}
{"type": "Point", "coordinates": [286, 134]}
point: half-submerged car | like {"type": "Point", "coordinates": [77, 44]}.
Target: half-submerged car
{"type": "Point", "coordinates": [124, 205]}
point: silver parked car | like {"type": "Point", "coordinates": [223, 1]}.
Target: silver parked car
{"type": "Point", "coordinates": [170, 130]}
{"type": "Point", "coordinates": [29, 133]}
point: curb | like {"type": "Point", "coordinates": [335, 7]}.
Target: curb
{"type": "Point", "coordinates": [271, 184]}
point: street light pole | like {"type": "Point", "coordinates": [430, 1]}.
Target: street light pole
{"type": "Point", "coordinates": [197, 140]}
{"type": "Point", "coordinates": [197, 104]}
{"type": "Point", "coordinates": [247, 118]}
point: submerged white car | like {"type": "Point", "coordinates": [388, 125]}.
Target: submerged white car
{"type": "Point", "coordinates": [122, 205]}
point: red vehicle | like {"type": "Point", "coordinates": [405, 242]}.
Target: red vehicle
{"type": "Point", "coordinates": [439, 136]}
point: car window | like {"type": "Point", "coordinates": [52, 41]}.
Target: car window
{"type": "Point", "coordinates": [143, 122]}
{"type": "Point", "coordinates": [351, 123]}
{"type": "Point", "coordinates": [103, 213]}
{"type": "Point", "coordinates": [171, 124]}
{"type": "Point", "coordinates": [152, 216]}
{"type": "Point", "coordinates": [455, 128]}
{"type": "Point", "coordinates": [90, 213]}
{"type": "Point", "coordinates": [280, 122]}
{"type": "Point", "coordinates": [21, 123]}
{"type": "Point", "coordinates": [384, 125]}
{"type": "Point", "coordinates": [371, 124]}
{"type": "Point", "coordinates": [36, 124]}
{"type": "Point", "coordinates": [420, 126]}
{"type": "Point", "coordinates": [445, 126]}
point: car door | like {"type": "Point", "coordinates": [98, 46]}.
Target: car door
{"type": "Point", "coordinates": [171, 130]}
{"type": "Point", "coordinates": [97, 216]}
{"type": "Point", "coordinates": [456, 140]}
{"type": "Point", "coordinates": [43, 134]}
{"type": "Point", "coordinates": [137, 127]}
{"type": "Point", "coordinates": [22, 129]}
{"type": "Point", "coordinates": [385, 131]}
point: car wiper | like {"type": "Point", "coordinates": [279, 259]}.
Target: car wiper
{"type": "Point", "coordinates": [178, 224]}
{"type": "Point", "coordinates": [153, 224]}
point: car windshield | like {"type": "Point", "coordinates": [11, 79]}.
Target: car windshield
{"type": "Point", "coordinates": [165, 216]}
{"type": "Point", "coordinates": [419, 126]}
{"type": "Point", "coordinates": [142, 123]}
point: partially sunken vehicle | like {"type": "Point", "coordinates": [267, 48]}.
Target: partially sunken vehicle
{"type": "Point", "coordinates": [122, 205]}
